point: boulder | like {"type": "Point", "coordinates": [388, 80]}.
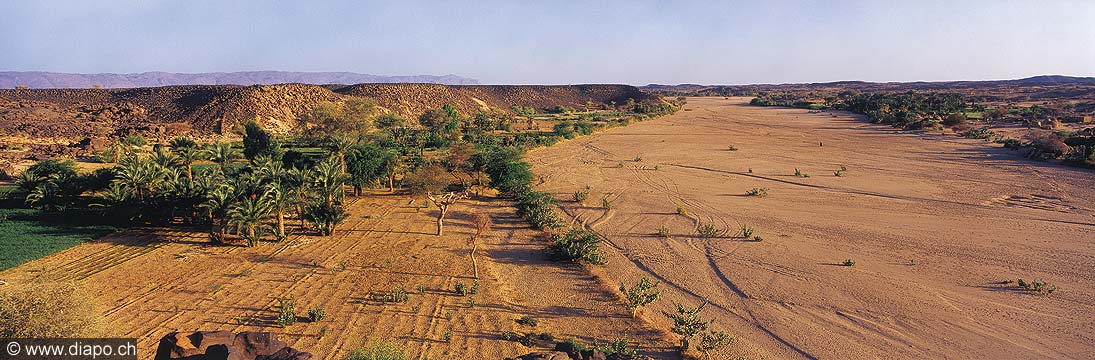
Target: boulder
{"type": "Point", "coordinates": [224, 345]}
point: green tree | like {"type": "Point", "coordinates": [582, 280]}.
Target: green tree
{"type": "Point", "coordinates": [257, 141]}
{"type": "Point", "coordinates": [687, 322]}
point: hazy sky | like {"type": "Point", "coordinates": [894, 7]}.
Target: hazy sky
{"type": "Point", "coordinates": [560, 42]}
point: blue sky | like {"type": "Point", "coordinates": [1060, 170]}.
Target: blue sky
{"type": "Point", "coordinates": [560, 42]}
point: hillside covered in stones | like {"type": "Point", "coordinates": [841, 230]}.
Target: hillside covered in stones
{"type": "Point", "coordinates": [211, 110]}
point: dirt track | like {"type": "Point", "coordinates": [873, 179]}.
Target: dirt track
{"type": "Point", "coordinates": [934, 223]}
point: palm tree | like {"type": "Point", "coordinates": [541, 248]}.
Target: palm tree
{"type": "Point", "coordinates": [328, 180]}
{"type": "Point", "coordinates": [187, 156]}
{"type": "Point", "coordinates": [281, 199]}
{"type": "Point", "coordinates": [217, 202]}
{"type": "Point", "coordinates": [249, 215]}
{"type": "Point", "coordinates": [222, 154]}
{"type": "Point", "coordinates": [340, 145]}
{"type": "Point", "coordinates": [164, 158]}
{"type": "Point", "coordinates": [139, 176]}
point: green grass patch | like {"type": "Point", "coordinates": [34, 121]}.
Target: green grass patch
{"type": "Point", "coordinates": [27, 234]}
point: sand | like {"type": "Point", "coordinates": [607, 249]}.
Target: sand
{"type": "Point", "coordinates": [935, 225]}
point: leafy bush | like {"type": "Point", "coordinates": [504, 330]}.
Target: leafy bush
{"type": "Point", "coordinates": [577, 245]}
{"type": "Point", "coordinates": [714, 341]}
{"type": "Point", "coordinates": [539, 208]}
{"type": "Point", "coordinates": [286, 312]}
{"type": "Point", "coordinates": [618, 346]}
{"type": "Point", "coordinates": [687, 322]}
{"type": "Point", "coordinates": [644, 293]}
{"type": "Point", "coordinates": [325, 217]}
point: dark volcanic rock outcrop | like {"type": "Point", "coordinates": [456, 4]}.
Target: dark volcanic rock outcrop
{"type": "Point", "coordinates": [224, 345]}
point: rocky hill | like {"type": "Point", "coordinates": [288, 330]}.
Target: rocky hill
{"type": "Point", "coordinates": [51, 80]}
{"type": "Point", "coordinates": [216, 109]}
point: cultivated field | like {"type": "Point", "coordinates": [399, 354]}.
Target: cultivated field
{"type": "Point", "coordinates": [936, 227]}
{"type": "Point", "coordinates": [148, 283]}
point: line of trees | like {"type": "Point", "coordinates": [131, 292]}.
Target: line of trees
{"type": "Point", "coordinates": [244, 194]}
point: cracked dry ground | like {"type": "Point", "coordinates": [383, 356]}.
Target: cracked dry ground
{"type": "Point", "coordinates": [934, 223]}
{"type": "Point", "coordinates": [149, 282]}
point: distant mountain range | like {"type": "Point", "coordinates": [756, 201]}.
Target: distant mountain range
{"type": "Point", "coordinates": [43, 80]}
{"type": "Point", "coordinates": [1034, 80]}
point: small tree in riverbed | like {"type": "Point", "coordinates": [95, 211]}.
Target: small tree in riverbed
{"type": "Point", "coordinates": [443, 202]}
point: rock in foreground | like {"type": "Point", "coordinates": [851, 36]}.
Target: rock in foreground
{"type": "Point", "coordinates": [224, 345]}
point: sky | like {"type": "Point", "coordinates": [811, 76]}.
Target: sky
{"type": "Point", "coordinates": [560, 42]}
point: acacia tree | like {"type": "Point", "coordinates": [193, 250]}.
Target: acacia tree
{"type": "Point", "coordinates": [443, 202]}
{"type": "Point", "coordinates": [482, 223]}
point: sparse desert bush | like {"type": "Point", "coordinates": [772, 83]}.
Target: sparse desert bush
{"type": "Point", "coordinates": [687, 322]}
{"type": "Point", "coordinates": [394, 295]}
{"type": "Point", "coordinates": [645, 292]}
{"type": "Point", "coordinates": [618, 346]}
{"type": "Point", "coordinates": [446, 336]}
{"type": "Point", "coordinates": [848, 262]}
{"type": "Point", "coordinates": [838, 173]}
{"type": "Point", "coordinates": [1041, 287]}
{"type": "Point", "coordinates": [577, 245]}
{"type": "Point", "coordinates": [287, 312]}
{"type": "Point", "coordinates": [47, 310]}
{"type": "Point", "coordinates": [378, 351]}
{"type": "Point", "coordinates": [757, 192]}
{"type": "Point", "coordinates": [799, 173]}
{"type": "Point", "coordinates": [460, 289]}
{"type": "Point", "coordinates": [747, 231]}
{"type": "Point", "coordinates": [606, 203]}
{"type": "Point", "coordinates": [682, 211]}
{"type": "Point", "coordinates": [570, 346]}
{"type": "Point", "coordinates": [757, 238]}
{"type": "Point", "coordinates": [714, 342]}
{"type": "Point", "coordinates": [580, 196]}
{"type": "Point", "coordinates": [709, 231]}
{"type": "Point", "coordinates": [843, 168]}
{"type": "Point", "coordinates": [528, 320]}
{"type": "Point", "coordinates": [316, 314]}
{"type": "Point", "coordinates": [665, 232]}
{"type": "Point", "coordinates": [731, 148]}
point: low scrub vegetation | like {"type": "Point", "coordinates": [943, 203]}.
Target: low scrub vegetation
{"type": "Point", "coordinates": [378, 351]}
{"type": "Point", "coordinates": [1036, 286]}
{"type": "Point", "coordinates": [48, 311]}
{"type": "Point", "coordinates": [287, 312]}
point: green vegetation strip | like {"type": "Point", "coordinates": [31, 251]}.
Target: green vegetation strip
{"type": "Point", "coordinates": [25, 235]}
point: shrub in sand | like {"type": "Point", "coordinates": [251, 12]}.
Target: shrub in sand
{"type": "Point", "coordinates": [665, 232]}
{"type": "Point", "coordinates": [642, 294]}
{"type": "Point", "coordinates": [47, 310]}
{"type": "Point", "coordinates": [580, 196]}
{"type": "Point", "coordinates": [687, 322]}
{"type": "Point", "coordinates": [757, 192]}
{"type": "Point", "coordinates": [709, 231]}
